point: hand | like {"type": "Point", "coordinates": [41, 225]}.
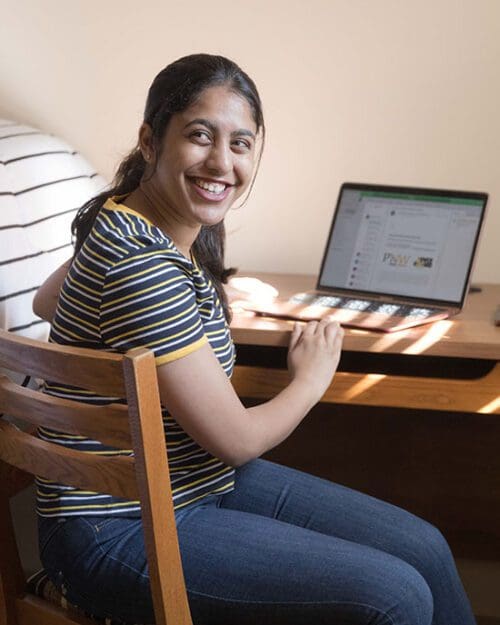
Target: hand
{"type": "Point", "coordinates": [314, 353]}
{"type": "Point", "coordinates": [248, 289]}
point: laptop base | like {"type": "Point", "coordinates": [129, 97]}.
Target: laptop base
{"type": "Point", "coordinates": [290, 309]}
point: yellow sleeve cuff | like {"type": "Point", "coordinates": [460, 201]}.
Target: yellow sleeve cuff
{"type": "Point", "coordinates": [183, 351]}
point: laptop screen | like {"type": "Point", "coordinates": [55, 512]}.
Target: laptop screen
{"type": "Point", "coordinates": [416, 243]}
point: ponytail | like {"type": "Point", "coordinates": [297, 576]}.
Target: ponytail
{"type": "Point", "coordinates": [127, 178]}
{"type": "Point", "coordinates": [208, 249]}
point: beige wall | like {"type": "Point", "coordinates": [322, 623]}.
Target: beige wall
{"type": "Point", "coordinates": [389, 91]}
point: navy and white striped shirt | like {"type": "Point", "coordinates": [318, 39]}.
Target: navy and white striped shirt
{"type": "Point", "coordinates": [128, 287]}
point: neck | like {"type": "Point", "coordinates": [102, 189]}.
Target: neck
{"type": "Point", "coordinates": [145, 201]}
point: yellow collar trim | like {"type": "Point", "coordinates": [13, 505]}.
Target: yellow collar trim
{"type": "Point", "coordinates": [112, 204]}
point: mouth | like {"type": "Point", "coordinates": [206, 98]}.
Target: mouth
{"type": "Point", "coordinates": [212, 190]}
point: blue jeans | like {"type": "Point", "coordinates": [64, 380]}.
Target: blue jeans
{"type": "Point", "coordinates": [284, 548]}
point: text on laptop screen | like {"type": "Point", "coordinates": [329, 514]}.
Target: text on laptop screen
{"type": "Point", "coordinates": [402, 244]}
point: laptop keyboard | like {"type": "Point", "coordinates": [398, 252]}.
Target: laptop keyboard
{"type": "Point", "coordinates": [364, 305]}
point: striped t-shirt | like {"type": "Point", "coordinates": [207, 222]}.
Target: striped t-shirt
{"type": "Point", "coordinates": [128, 287]}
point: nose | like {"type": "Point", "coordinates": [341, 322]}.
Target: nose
{"type": "Point", "coordinates": [220, 159]}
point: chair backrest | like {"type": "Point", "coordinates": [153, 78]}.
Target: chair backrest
{"type": "Point", "coordinates": [145, 477]}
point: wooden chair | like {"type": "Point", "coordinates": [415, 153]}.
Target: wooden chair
{"type": "Point", "coordinates": [145, 477]}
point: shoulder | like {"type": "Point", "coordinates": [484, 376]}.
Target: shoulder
{"type": "Point", "coordinates": [125, 252]}
{"type": "Point", "coordinates": [122, 240]}
{"type": "Point", "coordinates": [120, 232]}
{"type": "Point", "coordinates": [147, 266]}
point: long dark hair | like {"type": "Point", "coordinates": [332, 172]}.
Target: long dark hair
{"type": "Point", "coordinates": [173, 90]}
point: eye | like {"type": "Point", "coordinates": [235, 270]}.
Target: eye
{"type": "Point", "coordinates": [242, 145]}
{"type": "Point", "coordinates": [201, 137]}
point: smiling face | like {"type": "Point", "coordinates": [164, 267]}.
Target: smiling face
{"type": "Point", "coordinates": [206, 159]}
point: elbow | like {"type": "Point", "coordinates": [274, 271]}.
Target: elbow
{"type": "Point", "coordinates": [37, 305]}
{"type": "Point", "coordinates": [238, 455]}
{"type": "Point", "coordinates": [43, 307]}
{"type": "Point", "coordinates": [238, 460]}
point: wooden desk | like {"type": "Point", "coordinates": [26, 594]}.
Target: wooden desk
{"type": "Point", "coordinates": [453, 364]}
{"type": "Point", "coordinates": [412, 418]}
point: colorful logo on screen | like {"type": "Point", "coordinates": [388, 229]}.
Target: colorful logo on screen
{"type": "Point", "coordinates": [404, 260]}
{"type": "Point", "coordinates": [396, 260]}
{"type": "Point", "coordinates": [423, 261]}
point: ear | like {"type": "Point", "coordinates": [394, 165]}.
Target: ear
{"type": "Point", "coordinates": [146, 143]}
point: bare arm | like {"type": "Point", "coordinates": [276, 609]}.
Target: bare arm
{"type": "Point", "coordinates": [201, 398]}
{"type": "Point", "coordinates": [45, 300]}
{"type": "Point", "coordinates": [199, 395]}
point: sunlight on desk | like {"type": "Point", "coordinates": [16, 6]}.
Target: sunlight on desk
{"type": "Point", "coordinates": [369, 380]}
{"type": "Point", "coordinates": [493, 406]}
{"type": "Point", "coordinates": [433, 335]}
{"type": "Point", "coordinates": [470, 339]}
{"type": "Point", "coordinates": [388, 340]}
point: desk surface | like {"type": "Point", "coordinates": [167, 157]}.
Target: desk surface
{"type": "Point", "coordinates": [471, 334]}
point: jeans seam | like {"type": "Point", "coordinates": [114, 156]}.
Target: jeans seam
{"type": "Point", "coordinates": [124, 564]}
{"type": "Point", "coordinates": [195, 594]}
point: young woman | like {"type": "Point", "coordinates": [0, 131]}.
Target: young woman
{"type": "Point", "coordinates": [260, 543]}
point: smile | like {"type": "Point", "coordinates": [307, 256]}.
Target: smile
{"type": "Point", "coordinates": [214, 187]}
{"type": "Point", "coordinates": [211, 190]}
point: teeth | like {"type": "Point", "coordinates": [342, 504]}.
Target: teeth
{"type": "Point", "coordinates": [213, 187]}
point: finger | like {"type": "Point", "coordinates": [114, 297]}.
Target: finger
{"type": "Point", "coordinates": [310, 328]}
{"type": "Point", "coordinates": [339, 339]}
{"type": "Point", "coordinates": [341, 334]}
{"type": "Point", "coordinates": [322, 326]}
{"type": "Point", "coordinates": [333, 331]}
{"type": "Point", "coordinates": [296, 334]}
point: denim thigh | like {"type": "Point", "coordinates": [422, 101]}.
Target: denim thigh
{"type": "Point", "coordinates": [244, 568]}
{"type": "Point", "coordinates": [99, 564]}
{"type": "Point", "coordinates": [284, 548]}
{"type": "Point", "coordinates": [293, 497]}
{"type": "Point", "coordinates": [240, 568]}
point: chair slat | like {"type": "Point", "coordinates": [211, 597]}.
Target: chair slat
{"type": "Point", "coordinates": [164, 560]}
{"type": "Point", "coordinates": [113, 475]}
{"type": "Point", "coordinates": [108, 424]}
{"type": "Point", "coordinates": [144, 477]}
{"type": "Point", "coordinates": [90, 369]}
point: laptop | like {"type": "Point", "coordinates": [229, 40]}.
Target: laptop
{"type": "Point", "coordinates": [395, 257]}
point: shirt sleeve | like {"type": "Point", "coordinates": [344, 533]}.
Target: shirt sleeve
{"type": "Point", "coordinates": [149, 301]}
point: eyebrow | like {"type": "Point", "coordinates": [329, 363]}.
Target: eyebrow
{"type": "Point", "coordinates": [208, 124]}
